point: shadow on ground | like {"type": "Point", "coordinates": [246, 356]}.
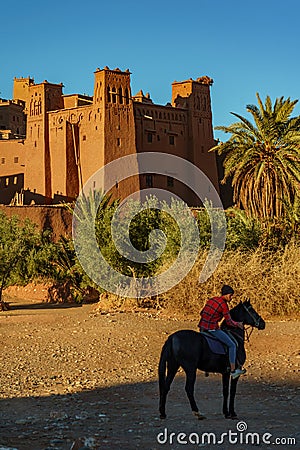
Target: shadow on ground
{"type": "Point", "coordinates": [125, 417]}
{"type": "Point", "coordinates": [16, 305]}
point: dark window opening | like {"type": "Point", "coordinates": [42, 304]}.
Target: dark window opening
{"type": "Point", "coordinates": [120, 95]}
{"type": "Point", "coordinates": [126, 96]}
{"type": "Point", "coordinates": [172, 140]}
{"type": "Point", "coordinates": [150, 138]}
{"type": "Point", "coordinates": [16, 159]}
{"type": "Point", "coordinates": [170, 181]}
{"type": "Point", "coordinates": [114, 95]}
{"type": "Point", "coordinates": [149, 181]}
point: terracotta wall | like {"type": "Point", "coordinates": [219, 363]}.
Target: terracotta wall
{"type": "Point", "coordinates": [65, 147]}
{"type": "Point", "coordinates": [56, 218]}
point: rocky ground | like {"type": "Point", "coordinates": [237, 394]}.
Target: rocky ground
{"type": "Point", "coordinates": [71, 373]}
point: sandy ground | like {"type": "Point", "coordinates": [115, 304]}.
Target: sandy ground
{"type": "Point", "coordinates": [69, 372]}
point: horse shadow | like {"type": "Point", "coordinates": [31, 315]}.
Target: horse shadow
{"type": "Point", "coordinates": [126, 416]}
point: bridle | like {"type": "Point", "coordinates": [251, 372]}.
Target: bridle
{"type": "Point", "coordinates": [255, 320]}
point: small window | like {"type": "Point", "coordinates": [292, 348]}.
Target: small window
{"type": "Point", "coordinates": [170, 181]}
{"type": "Point", "coordinates": [149, 181]}
{"type": "Point", "coordinates": [15, 180]}
{"type": "Point", "coordinates": [2, 160]}
{"type": "Point", "coordinates": [126, 96]}
{"type": "Point", "coordinates": [119, 142]}
{"type": "Point", "coordinates": [6, 181]}
{"type": "Point", "coordinates": [172, 140]}
{"type": "Point", "coordinates": [84, 137]}
{"type": "Point", "coordinates": [120, 95]}
{"type": "Point", "coordinates": [150, 138]}
{"type": "Point", "coordinates": [158, 137]}
{"type": "Point", "coordinates": [114, 95]}
{"type": "Point", "coordinates": [16, 159]}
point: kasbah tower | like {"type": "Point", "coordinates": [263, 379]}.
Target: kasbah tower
{"type": "Point", "coordinates": [69, 137]}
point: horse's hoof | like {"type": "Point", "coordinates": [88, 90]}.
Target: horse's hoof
{"type": "Point", "coordinates": [231, 416]}
{"type": "Point", "coordinates": [198, 415]}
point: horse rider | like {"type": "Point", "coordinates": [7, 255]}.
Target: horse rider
{"type": "Point", "coordinates": [214, 310]}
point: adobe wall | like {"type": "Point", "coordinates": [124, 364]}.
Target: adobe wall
{"type": "Point", "coordinates": [12, 157]}
{"type": "Point", "coordinates": [65, 147]}
{"type": "Point", "coordinates": [119, 126]}
{"type": "Point", "coordinates": [56, 218]}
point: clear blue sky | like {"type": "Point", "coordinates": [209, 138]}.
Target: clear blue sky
{"type": "Point", "coordinates": [246, 47]}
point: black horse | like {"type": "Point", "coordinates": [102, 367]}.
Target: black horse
{"type": "Point", "coordinates": [189, 349]}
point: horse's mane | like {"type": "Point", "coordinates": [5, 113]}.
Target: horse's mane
{"type": "Point", "coordinates": [233, 311]}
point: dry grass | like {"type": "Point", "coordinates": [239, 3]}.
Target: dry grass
{"type": "Point", "coordinates": [270, 279]}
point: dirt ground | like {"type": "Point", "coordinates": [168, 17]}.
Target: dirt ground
{"type": "Point", "coordinates": [71, 373]}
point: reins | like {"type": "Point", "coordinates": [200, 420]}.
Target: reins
{"type": "Point", "coordinates": [256, 324]}
{"type": "Point", "coordinates": [248, 335]}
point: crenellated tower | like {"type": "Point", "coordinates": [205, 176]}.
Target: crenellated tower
{"type": "Point", "coordinates": [42, 98]}
{"type": "Point", "coordinates": [112, 96]}
{"type": "Point", "coordinates": [194, 96]}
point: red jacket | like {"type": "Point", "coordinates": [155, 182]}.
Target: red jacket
{"type": "Point", "coordinates": [215, 309]}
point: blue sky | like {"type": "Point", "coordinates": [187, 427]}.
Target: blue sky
{"type": "Point", "coordinates": [246, 47]}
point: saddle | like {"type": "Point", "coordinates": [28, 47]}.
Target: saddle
{"type": "Point", "coordinates": [215, 345]}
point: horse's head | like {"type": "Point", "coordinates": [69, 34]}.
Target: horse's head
{"type": "Point", "coordinates": [244, 312]}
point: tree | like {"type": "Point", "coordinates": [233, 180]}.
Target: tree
{"type": "Point", "coordinates": [263, 159]}
{"type": "Point", "coordinates": [16, 243]}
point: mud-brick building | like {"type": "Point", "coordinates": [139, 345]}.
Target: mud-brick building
{"type": "Point", "coordinates": [64, 139]}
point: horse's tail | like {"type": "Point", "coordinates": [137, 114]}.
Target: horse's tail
{"type": "Point", "coordinates": [164, 357]}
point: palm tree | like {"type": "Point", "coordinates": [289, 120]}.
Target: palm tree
{"type": "Point", "coordinates": [263, 159]}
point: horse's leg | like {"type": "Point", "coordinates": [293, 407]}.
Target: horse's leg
{"type": "Point", "coordinates": [171, 372]}
{"type": "Point", "coordinates": [189, 389]}
{"type": "Point", "coordinates": [233, 384]}
{"type": "Point", "coordinates": [225, 381]}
